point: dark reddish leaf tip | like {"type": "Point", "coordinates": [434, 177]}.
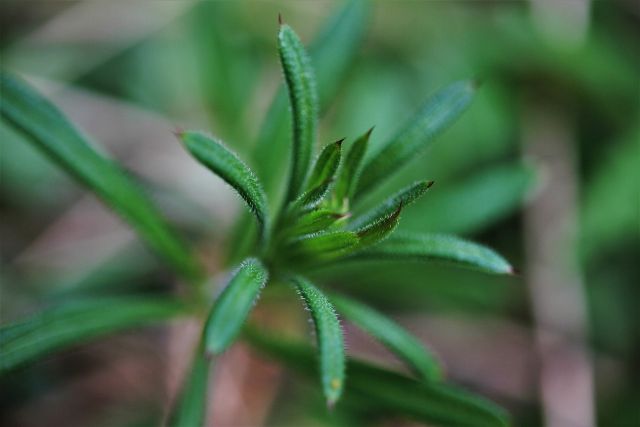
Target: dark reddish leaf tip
{"type": "Point", "coordinates": [514, 272]}
{"type": "Point", "coordinates": [370, 130]}
{"type": "Point", "coordinates": [430, 184]}
{"type": "Point", "coordinates": [280, 22]}
{"type": "Point", "coordinates": [178, 132]}
{"type": "Point", "coordinates": [339, 142]}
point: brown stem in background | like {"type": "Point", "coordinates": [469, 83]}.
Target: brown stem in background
{"type": "Point", "coordinates": [555, 287]}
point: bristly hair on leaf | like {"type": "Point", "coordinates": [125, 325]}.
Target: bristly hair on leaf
{"type": "Point", "coordinates": [303, 97]}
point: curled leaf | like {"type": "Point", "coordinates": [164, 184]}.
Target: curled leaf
{"type": "Point", "coordinates": [326, 165]}
{"type": "Point", "coordinates": [233, 306]}
{"type": "Point", "coordinates": [314, 221]}
{"type": "Point", "coordinates": [329, 337]}
{"type": "Point", "coordinates": [226, 164]}
{"type": "Point", "coordinates": [403, 198]}
{"type": "Point", "coordinates": [322, 246]}
{"type": "Point", "coordinates": [380, 229]}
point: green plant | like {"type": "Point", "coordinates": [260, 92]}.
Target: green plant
{"type": "Point", "coordinates": [319, 223]}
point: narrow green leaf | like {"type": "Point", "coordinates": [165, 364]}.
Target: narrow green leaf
{"type": "Point", "coordinates": [51, 132]}
{"type": "Point", "coordinates": [315, 221]}
{"type": "Point", "coordinates": [437, 247]}
{"type": "Point", "coordinates": [191, 407]}
{"type": "Point", "coordinates": [380, 229]}
{"type": "Point", "coordinates": [322, 246]}
{"type": "Point", "coordinates": [77, 322]}
{"type": "Point", "coordinates": [233, 306]}
{"type": "Point", "coordinates": [395, 337]}
{"type": "Point", "coordinates": [303, 97]}
{"type": "Point", "coordinates": [403, 198]}
{"type": "Point", "coordinates": [390, 393]}
{"type": "Point", "coordinates": [437, 114]}
{"type": "Point", "coordinates": [473, 203]}
{"type": "Point", "coordinates": [331, 54]}
{"type": "Point", "coordinates": [326, 165]}
{"type": "Point", "coordinates": [223, 162]}
{"type": "Point", "coordinates": [348, 177]}
{"type": "Point", "coordinates": [329, 337]}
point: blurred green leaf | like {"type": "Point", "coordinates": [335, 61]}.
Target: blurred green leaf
{"type": "Point", "coordinates": [390, 393]}
{"type": "Point", "coordinates": [402, 198]}
{"type": "Point", "coordinates": [223, 162]}
{"type": "Point", "coordinates": [348, 177]}
{"type": "Point", "coordinates": [436, 247]}
{"type": "Point", "coordinates": [227, 66]}
{"type": "Point", "coordinates": [77, 322]}
{"type": "Point", "coordinates": [303, 97]}
{"type": "Point", "coordinates": [611, 210]}
{"type": "Point", "coordinates": [329, 337]}
{"type": "Point", "coordinates": [191, 407]}
{"type": "Point", "coordinates": [233, 306]}
{"type": "Point", "coordinates": [407, 347]}
{"type": "Point", "coordinates": [473, 203]}
{"type": "Point", "coordinates": [326, 165]}
{"type": "Point", "coordinates": [51, 132]}
{"type": "Point", "coordinates": [435, 115]}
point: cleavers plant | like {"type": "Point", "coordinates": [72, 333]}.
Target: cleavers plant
{"type": "Point", "coordinates": [312, 227]}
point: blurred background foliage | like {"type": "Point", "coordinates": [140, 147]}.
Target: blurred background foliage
{"type": "Point", "coordinates": [130, 73]}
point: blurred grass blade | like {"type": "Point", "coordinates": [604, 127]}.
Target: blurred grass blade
{"type": "Point", "coordinates": [233, 306]}
{"type": "Point", "coordinates": [326, 165]}
{"type": "Point", "coordinates": [331, 54]}
{"type": "Point", "coordinates": [348, 177]}
{"type": "Point", "coordinates": [224, 163]}
{"type": "Point", "coordinates": [403, 198]}
{"type": "Point", "coordinates": [51, 132]}
{"type": "Point", "coordinates": [391, 393]}
{"type": "Point", "coordinates": [473, 203]}
{"type": "Point", "coordinates": [322, 246]}
{"type": "Point", "coordinates": [395, 337]}
{"type": "Point", "coordinates": [438, 113]}
{"type": "Point", "coordinates": [335, 47]}
{"type": "Point", "coordinates": [436, 247]}
{"type": "Point", "coordinates": [77, 322]}
{"type": "Point", "coordinates": [329, 336]}
{"type": "Point", "coordinates": [303, 97]}
{"type": "Point", "coordinates": [380, 229]}
{"type": "Point", "coordinates": [191, 406]}
{"type": "Point", "coordinates": [315, 221]}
